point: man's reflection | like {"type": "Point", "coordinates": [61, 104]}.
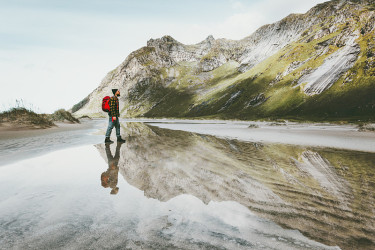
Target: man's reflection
{"type": "Point", "coordinates": [109, 178]}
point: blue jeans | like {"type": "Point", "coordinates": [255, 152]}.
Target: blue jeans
{"type": "Point", "coordinates": [110, 127]}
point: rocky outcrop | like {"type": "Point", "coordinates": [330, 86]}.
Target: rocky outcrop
{"type": "Point", "coordinates": [332, 69]}
{"type": "Point", "coordinates": [269, 39]}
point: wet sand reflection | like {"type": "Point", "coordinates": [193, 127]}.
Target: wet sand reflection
{"type": "Point", "coordinates": [326, 194]}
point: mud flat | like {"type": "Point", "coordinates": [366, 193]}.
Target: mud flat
{"type": "Point", "coordinates": [316, 135]}
{"type": "Point", "coordinates": [21, 143]}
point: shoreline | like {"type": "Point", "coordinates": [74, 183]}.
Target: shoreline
{"type": "Point", "coordinates": [27, 143]}
{"type": "Point", "coordinates": [24, 143]}
{"type": "Point", "coordinates": [8, 132]}
{"type": "Point", "coordinates": [354, 120]}
{"type": "Point", "coordinates": [267, 120]}
{"type": "Point", "coordinates": [296, 133]}
{"type": "Point", "coordinates": [346, 137]}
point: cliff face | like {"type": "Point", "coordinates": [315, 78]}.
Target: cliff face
{"type": "Point", "coordinates": [317, 64]}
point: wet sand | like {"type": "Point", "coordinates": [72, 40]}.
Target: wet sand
{"type": "Point", "coordinates": [316, 135]}
{"type": "Point", "coordinates": [21, 144]}
{"type": "Point", "coordinates": [7, 131]}
{"type": "Point", "coordinates": [175, 189]}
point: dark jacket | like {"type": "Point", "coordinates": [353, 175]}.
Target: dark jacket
{"type": "Point", "coordinates": [114, 107]}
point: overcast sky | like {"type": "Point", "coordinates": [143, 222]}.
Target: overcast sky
{"type": "Point", "coordinates": [53, 53]}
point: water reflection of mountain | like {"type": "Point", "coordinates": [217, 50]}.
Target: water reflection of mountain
{"type": "Point", "coordinates": [326, 194]}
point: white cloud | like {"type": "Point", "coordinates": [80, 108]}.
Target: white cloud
{"type": "Point", "coordinates": [50, 79]}
{"type": "Point", "coordinates": [237, 5]}
{"type": "Point", "coordinates": [243, 20]}
{"type": "Point", "coordinates": [73, 52]}
{"type": "Point", "coordinates": [248, 18]}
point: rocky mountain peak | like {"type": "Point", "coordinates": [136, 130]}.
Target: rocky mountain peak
{"type": "Point", "coordinates": [163, 40]}
{"type": "Point", "coordinates": [209, 39]}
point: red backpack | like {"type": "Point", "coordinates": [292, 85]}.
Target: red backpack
{"type": "Point", "coordinates": [105, 104]}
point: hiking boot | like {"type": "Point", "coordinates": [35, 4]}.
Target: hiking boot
{"type": "Point", "coordinates": [119, 139]}
{"type": "Point", "coordinates": [107, 140]}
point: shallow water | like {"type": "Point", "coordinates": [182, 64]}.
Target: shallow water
{"type": "Point", "coordinates": [33, 144]}
{"type": "Point", "coordinates": [176, 189]}
{"type": "Point", "coordinates": [316, 135]}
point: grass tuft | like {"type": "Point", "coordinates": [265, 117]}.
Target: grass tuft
{"type": "Point", "coordinates": [20, 116]}
{"type": "Point", "coordinates": [63, 115]}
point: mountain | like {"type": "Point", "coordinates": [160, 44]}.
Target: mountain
{"type": "Point", "coordinates": [316, 66]}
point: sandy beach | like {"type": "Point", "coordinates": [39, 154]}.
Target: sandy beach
{"type": "Point", "coordinates": [9, 131]}
{"type": "Point", "coordinates": [21, 143]}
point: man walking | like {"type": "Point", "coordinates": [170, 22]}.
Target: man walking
{"type": "Point", "coordinates": [114, 113]}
